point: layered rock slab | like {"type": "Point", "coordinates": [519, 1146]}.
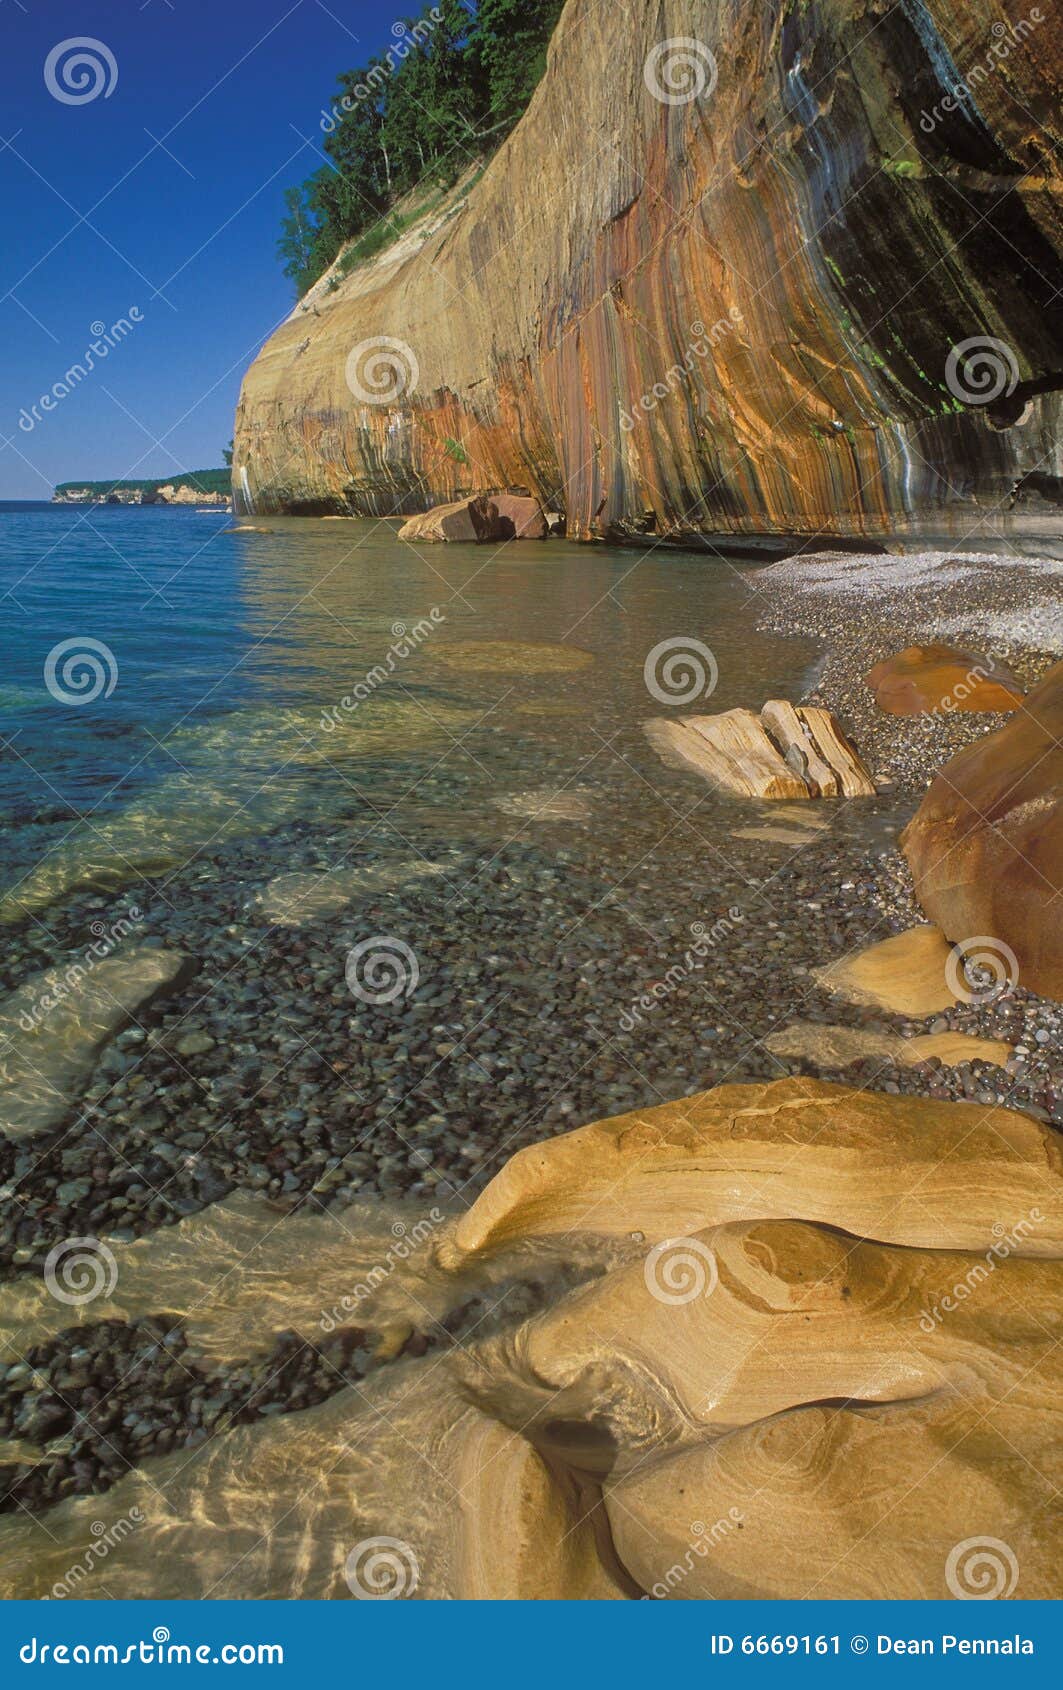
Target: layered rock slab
{"type": "Point", "coordinates": [907, 1170]}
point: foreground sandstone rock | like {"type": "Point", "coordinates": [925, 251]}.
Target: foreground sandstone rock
{"type": "Point", "coordinates": [813, 1353]}
{"type": "Point", "coordinates": [936, 677]}
{"type": "Point", "coordinates": [639, 306]}
{"type": "Point", "coordinates": [494, 516]}
{"type": "Point", "coordinates": [906, 1170]}
{"type": "Point", "coordinates": [986, 846]}
{"type": "Point", "coordinates": [53, 1026]}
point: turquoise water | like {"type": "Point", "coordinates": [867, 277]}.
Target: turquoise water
{"type": "Point", "coordinates": [198, 692]}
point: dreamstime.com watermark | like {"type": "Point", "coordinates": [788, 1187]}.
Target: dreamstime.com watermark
{"type": "Point", "coordinates": [80, 670]}
{"type": "Point", "coordinates": [381, 1569]}
{"type": "Point", "coordinates": [981, 1569]}
{"type": "Point", "coordinates": [680, 70]}
{"type": "Point", "coordinates": [408, 36]}
{"type": "Point", "coordinates": [699, 346]}
{"type": "Point", "coordinates": [960, 96]}
{"type": "Point", "coordinates": [408, 1241]}
{"type": "Point", "coordinates": [680, 670]}
{"type": "Point", "coordinates": [1008, 1242]}
{"type": "Point", "coordinates": [69, 978]}
{"type": "Point", "coordinates": [405, 641]}
{"type": "Point", "coordinates": [981, 370]}
{"type": "Point", "coordinates": [80, 70]}
{"type": "Point", "coordinates": [100, 347]}
{"type": "Point", "coordinates": [104, 1539]}
{"type": "Point", "coordinates": [981, 970]}
{"type": "Point", "coordinates": [703, 1538]}
{"type": "Point", "coordinates": [381, 370]}
{"type": "Point", "coordinates": [381, 969]}
{"type": "Point", "coordinates": [158, 1652]}
{"type": "Point", "coordinates": [78, 1270]}
{"type": "Point", "coordinates": [706, 939]}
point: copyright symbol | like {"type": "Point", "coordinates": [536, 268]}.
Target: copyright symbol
{"type": "Point", "coordinates": [859, 1645]}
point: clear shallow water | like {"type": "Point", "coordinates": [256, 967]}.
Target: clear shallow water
{"type": "Point", "coordinates": [208, 770]}
{"type": "Point", "coordinates": [225, 651]}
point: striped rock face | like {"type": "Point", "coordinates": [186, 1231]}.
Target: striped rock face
{"type": "Point", "coordinates": [740, 267]}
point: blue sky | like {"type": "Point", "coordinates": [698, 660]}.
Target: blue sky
{"type": "Point", "coordinates": [165, 194]}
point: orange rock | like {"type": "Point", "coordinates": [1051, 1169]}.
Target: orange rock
{"type": "Point", "coordinates": [986, 844]}
{"type": "Point", "coordinates": [936, 677]}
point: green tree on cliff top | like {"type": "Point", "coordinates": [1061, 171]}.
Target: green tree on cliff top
{"type": "Point", "coordinates": [448, 89]}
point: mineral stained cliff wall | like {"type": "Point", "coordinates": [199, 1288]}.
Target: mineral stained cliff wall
{"type": "Point", "coordinates": [720, 271]}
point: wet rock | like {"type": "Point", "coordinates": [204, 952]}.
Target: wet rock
{"type": "Point", "coordinates": [986, 845]}
{"type": "Point", "coordinates": [937, 677]}
{"type": "Point", "coordinates": [53, 1026]}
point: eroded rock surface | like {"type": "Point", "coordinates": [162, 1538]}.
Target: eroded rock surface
{"type": "Point", "coordinates": [811, 1350]}
{"type": "Point", "coordinates": [986, 845]}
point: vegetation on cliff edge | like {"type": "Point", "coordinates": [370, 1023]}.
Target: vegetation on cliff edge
{"type": "Point", "coordinates": [447, 91]}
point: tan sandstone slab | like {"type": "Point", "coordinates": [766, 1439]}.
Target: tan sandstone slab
{"type": "Point", "coordinates": [834, 1047]}
{"type": "Point", "coordinates": [905, 974]}
{"type": "Point", "coordinates": [953, 1049]}
{"type": "Point", "coordinates": [293, 900]}
{"type": "Point", "coordinates": [886, 1167]}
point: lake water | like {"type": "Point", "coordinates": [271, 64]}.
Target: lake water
{"type": "Point", "coordinates": [230, 708]}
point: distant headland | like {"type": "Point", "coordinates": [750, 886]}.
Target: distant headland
{"type": "Point", "coordinates": [194, 487]}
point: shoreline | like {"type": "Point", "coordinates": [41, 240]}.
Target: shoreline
{"type": "Point", "coordinates": [204, 1102]}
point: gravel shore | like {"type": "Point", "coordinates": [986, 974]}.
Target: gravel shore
{"type": "Point", "coordinates": [558, 982]}
{"type": "Point", "coordinates": [1010, 608]}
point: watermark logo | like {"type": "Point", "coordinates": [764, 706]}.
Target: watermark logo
{"type": "Point", "coordinates": [679, 70]}
{"type": "Point", "coordinates": [381, 969]}
{"type": "Point", "coordinates": [381, 370]}
{"type": "Point", "coordinates": [981, 370]}
{"type": "Point", "coordinates": [980, 970]}
{"type": "Point", "coordinates": [679, 670]}
{"type": "Point", "coordinates": [381, 1569]}
{"type": "Point", "coordinates": [79, 70]}
{"type": "Point", "coordinates": [80, 670]}
{"type": "Point", "coordinates": [407, 37]}
{"type": "Point", "coordinates": [680, 1270]}
{"type": "Point", "coordinates": [981, 1569]}
{"type": "Point", "coordinates": [405, 641]}
{"type": "Point", "coordinates": [79, 1270]}
{"type": "Point", "coordinates": [977, 1274]}
{"type": "Point", "coordinates": [701, 343]}
{"type": "Point", "coordinates": [102, 344]}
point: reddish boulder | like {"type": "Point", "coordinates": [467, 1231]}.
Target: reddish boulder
{"type": "Point", "coordinates": [937, 678]}
{"type": "Point", "coordinates": [524, 514]}
{"type": "Point", "coordinates": [470, 520]}
{"type": "Point", "coordinates": [986, 844]}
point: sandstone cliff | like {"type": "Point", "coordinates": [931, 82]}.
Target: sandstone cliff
{"type": "Point", "coordinates": [719, 271]}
